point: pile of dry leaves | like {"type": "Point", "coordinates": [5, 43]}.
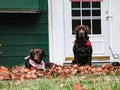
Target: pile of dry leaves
{"type": "Point", "coordinates": [22, 73]}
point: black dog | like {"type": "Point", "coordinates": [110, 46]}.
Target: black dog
{"type": "Point", "coordinates": [35, 59]}
{"type": "Point", "coordinates": [82, 48]}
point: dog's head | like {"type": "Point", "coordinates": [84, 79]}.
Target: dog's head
{"type": "Point", "coordinates": [37, 55]}
{"type": "Point", "coordinates": [82, 32]}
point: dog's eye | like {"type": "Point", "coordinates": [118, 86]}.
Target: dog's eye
{"type": "Point", "coordinates": [33, 53]}
{"type": "Point", "coordinates": [38, 53]}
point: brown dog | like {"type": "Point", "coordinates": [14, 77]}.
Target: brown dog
{"type": "Point", "coordinates": [82, 48]}
{"type": "Point", "coordinates": [35, 59]}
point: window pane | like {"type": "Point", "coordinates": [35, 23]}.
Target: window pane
{"type": "Point", "coordinates": [95, 4]}
{"type": "Point", "coordinates": [87, 22]}
{"type": "Point", "coordinates": [75, 12]}
{"type": "Point", "coordinates": [85, 12]}
{"type": "Point", "coordinates": [96, 26]}
{"type": "Point", "coordinates": [86, 5]}
{"type": "Point", "coordinates": [89, 13]}
{"type": "Point", "coordinates": [75, 23]}
{"type": "Point", "coordinates": [75, 4]}
{"type": "Point", "coordinates": [96, 13]}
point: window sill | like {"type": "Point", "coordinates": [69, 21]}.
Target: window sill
{"type": "Point", "coordinates": [12, 10]}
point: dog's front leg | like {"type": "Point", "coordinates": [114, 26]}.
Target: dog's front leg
{"type": "Point", "coordinates": [28, 65]}
{"type": "Point", "coordinates": [75, 61]}
{"type": "Point", "coordinates": [90, 56]}
{"type": "Point", "coordinates": [89, 61]}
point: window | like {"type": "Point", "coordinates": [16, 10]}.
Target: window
{"type": "Point", "coordinates": [87, 13]}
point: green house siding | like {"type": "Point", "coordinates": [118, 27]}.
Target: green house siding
{"type": "Point", "coordinates": [20, 3]}
{"type": "Point", "coordinates": [19, 33]}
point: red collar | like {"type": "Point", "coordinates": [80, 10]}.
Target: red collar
{"type": "Point", "coordinates": [89, 44]}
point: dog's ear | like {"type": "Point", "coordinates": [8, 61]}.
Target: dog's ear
{"type": "Point", "coordinates": [77, 35]}
{"type": "Point", "coordinates": [31, 55]}
{"type": "Point", "coordinates": [87, 29]}
{"type": "Point", "coordinates": [31, 51]}
{"type": "Point", "coordinates": [76, 29]}
{"type": "Point", "coordinates": [43, 53]}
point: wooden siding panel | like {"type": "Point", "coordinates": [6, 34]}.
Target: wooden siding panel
{"type": "Point", "coordinates": [23, 39]}
{"type": "Point", "coordinates": [20, 50]}
{"type": "Point", "coordinates": [24, 29]}
{"type": "Point", "coordinates": [43, 5]}
{"type": "Point", "coordinates": [12, 61]}
{"type": "Point", "coordinates": [23, 18]}
{"type": "Point", "coordinates": [19, 33]}
{"type": "Point", "coordinates": [19, 4]}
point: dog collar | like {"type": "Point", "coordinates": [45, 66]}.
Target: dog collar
{"type": "Point", "coordinates": [39, 66]}
{"type": "Point", "coordinates": [27, 57]}
{"type": "Point", "coordinates": [89, 44]}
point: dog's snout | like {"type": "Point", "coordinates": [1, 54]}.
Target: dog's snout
{"type": "Point", "coordinates": [81, 31]}
{"type": "Point", "coordinates": [81, 34]}
{"type": "Point", "coordinates": [36, 57]}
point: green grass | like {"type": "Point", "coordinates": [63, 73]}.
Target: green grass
{"type": "Point", "coordinates": [103, 82]}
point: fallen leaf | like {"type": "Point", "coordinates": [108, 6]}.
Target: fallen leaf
{"type": "Point", "coordinates": [77, 86]}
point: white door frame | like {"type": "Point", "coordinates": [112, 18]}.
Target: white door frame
{"type": "Point", "coordinates": [56, 31]}
{"type": "Point", "coordinates": [114, 26]}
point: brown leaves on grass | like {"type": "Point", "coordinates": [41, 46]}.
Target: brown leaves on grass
{"type": "Point", "coordinates": [22, 73]}
{"type": "Point", "coordinates": [77, 86]}
{"type": "Point", "coordinates": [4, 73]}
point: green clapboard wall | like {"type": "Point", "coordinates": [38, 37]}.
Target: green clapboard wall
{"type": "Point", "coordinates": [21, 32]}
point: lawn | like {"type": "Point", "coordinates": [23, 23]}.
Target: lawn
{"type": "Point", "coordinates": [88, 82]}
{"type": "Point", "coordinates": [106, 77]}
